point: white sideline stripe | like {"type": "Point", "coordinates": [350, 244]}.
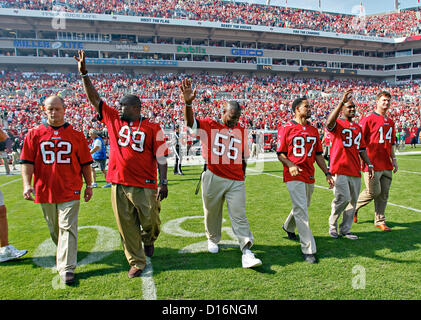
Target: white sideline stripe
{"type": "Point", "coordinates": [403, 207]}
{"type": "Point", "coordinates": [410, 171]}
{"type": "Point", "coordinates": [5, 184]}
{"type": "Point", "coordinates": [148, 284]}
{"type": "Point", "coordinates": [326, 188]}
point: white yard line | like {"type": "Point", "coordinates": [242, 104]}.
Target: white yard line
{"type": "Point", "coordinates": [326, 188]}
{"type": "Point", "coordinates": [415, 172]}
{"type": "Point", "coordinates": [10, 182]}
{"type": "Point", "coordinates": [148, 284]}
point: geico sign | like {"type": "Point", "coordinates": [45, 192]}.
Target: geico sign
{"type": "Point", "coordinates": [247, 52]}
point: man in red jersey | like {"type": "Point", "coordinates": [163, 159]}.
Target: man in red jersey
{"type": "Point", "coordinates": [137, 148]}
{"type": "Point", "coordinates": [298, 147]}
{"type": "Point", "coordinates": [379, 135]}
{"type": "Point", "coordinates": [57, 156]}
{"type": "Point", "coordinates": [225, 150]}
{"type": "Point", "coordinates": [348, 146]}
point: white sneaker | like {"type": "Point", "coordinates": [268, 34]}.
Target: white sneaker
{"type": "Point", "coordinates": [94, 185]}
{"type": "Point", "coordinates": [212, 247]}
{"type": "Point", "coordinates": [249, 260]}
{"type": "Point", "coordinates": [10, 252]}
{"type": "Point", "coordinates": [108, 185]}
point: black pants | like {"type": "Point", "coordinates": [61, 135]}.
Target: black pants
{"type": "Point", "coordinates": [177, 166]}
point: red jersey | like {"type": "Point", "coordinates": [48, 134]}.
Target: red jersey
{"type": "Point", "coordinates": [223, 148]}
{"type": "Point", "coordinates": [379, 135]}
{"type": "Point", "coordinates": [58, 156]}
{"type": "Point", "coordinates": [301, 144]}
{"type": "Point", "coordinates": [134, 149]}
{"type": "Point", "coordinates": [347, 142]}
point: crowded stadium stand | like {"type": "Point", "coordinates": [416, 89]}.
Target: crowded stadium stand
{"type": "Point", "coordinates": [263, 56]}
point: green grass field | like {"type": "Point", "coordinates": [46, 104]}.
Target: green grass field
{"type": "Point", "coordinates": [390, 263]}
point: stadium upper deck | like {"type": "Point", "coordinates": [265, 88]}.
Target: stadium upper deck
{"type": "Point", "coordinates": [45, 40]}
{"type": "Point", "coordinates": [396, 24]}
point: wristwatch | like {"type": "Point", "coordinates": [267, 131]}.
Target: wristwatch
{"type": "Point", "coordinates": [164, 182]}
{"type": "Point", "coordinates": [327, 173]}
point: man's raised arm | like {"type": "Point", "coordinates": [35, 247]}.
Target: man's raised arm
{"type": "Point", "coordinates": [90, 90]}
{"type": "Point", "coordinates": [331, 119]}
{"type": "Point", "coordinates": [188, 94]}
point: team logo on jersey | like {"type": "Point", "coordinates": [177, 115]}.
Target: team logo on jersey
{"type": "Point", "coordinates": [56, 132]}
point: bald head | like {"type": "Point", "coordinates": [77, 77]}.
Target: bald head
{"type": "Point", "coordinates": [55, 109]}
{"type": "Point", "coordinates": [232, 113]}
{"type": "Point", "coordinates": [232, 105]}
{"type": "Point", "coordinates": [130, 107]}
{"type": "Point", "coordinates": [54, 100]}
{"type": "Point", "coordinates": [131, 100]}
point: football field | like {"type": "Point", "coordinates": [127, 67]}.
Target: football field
{"type": "Point", "coordinates": [379, 265]}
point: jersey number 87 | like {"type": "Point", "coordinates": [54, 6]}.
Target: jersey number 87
{"type": "Point", "coordinates": [299, 146]}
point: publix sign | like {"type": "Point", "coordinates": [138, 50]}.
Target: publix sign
{"type": "Point", "coordinates": [181, 49]}
{"type": "Point", "coordinates": [45, 44]}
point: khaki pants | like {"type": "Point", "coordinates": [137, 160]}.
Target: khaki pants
{"type": "Point", "coordinates": [377, 189]}
{"type": "Point", "coordinates": [346, 193]}
{"type": "Point", "coordinates": [4, 157]}
{"type": "Point", "coordinates": [62, 223]}
{"type": "Point", "coordinates": [215, 190]}
{"type": "Point", "coordinates": [15, 157]}
{"type": "Point", "coordinates": [136, 211]}
{"type": "Point", "coordinates": [300, 193]}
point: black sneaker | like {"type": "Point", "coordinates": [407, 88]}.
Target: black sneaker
{"type": "Point", "coordinates": [333, 234]}
{"type": "Point", "coordinates": [310, 258]}
{"type": "Point", "coordinates": [149, 249]}
{"type": "Point", "coordinates": [69, 278]}
{"type": "Point", "coordinates": [291, 235]}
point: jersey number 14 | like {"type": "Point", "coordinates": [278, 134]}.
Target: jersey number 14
{"type": "Point", "coordinates": [382, 136]}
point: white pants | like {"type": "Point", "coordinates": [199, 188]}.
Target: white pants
{"type": "Point", "coordinates": [215, 190]}
{"type": "Point", "coordinates": [346, 193]}
{"type": "Point", "coordinates": [300, 193]}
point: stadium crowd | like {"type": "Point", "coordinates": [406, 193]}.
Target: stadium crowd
{"type": "Point", "coordinates": [265, 100]}
{"type": "Point", "coordinates": [395, 24]}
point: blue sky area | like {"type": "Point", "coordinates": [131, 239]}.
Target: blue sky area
{"type": "Point", "coordinates": [343, 6]}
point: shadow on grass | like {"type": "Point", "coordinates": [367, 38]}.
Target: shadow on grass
{"type": "Point", "coordinates": [404, 237]}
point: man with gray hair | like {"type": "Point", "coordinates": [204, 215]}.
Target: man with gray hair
{"type": "Point", "coordinates": [56, 156]}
